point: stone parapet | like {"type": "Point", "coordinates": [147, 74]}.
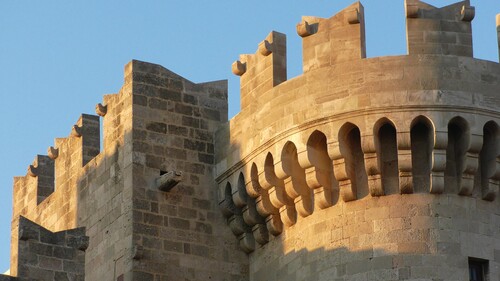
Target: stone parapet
{"type": "Point", "coordinates": [354, 129]}
{"type": "Point", "coordinates": [441, 31]}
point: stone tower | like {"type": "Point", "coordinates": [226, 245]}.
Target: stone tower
{"type": "Point", "coordinates": [382, 168]}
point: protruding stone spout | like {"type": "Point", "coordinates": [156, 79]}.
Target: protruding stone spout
{"type": "Point", "coordinates": [168, 180]}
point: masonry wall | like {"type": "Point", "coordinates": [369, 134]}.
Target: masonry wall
{"type": "Point", "coordinates": [76, 185]}
{"type": "Point", "coordinates": [47, 195]}
{"type": "Point", "coordinates": [45, 255]}
{"type": "Point", "coordinates": [396, 237]}
{"type": "Point", "coordinates": [364, 169]}
{"type": "Point", "coordinates": [179, 234]}
{"type": "Point", "coordinates": [105, 192]}
{"type": "Point", "coordinates": [158, 122]}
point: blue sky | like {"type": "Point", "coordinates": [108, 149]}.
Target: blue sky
{"type": "Point", "coordinates": [59, 57]}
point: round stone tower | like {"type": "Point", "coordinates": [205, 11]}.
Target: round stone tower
{"type": "Point", "coordinates": [382, 168]}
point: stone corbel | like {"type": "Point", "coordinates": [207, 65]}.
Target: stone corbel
{"type": "Point", "coordinates": [274, 224]}
{"type": "Point", "coordinates": [319, 179]}
{"type": "Point", "coordinates": [491, 189]}
{"type": "Point", "coordinates": [247, 242]}
{"type": "Point", "coordinates": [264, 206]}
{"type": "Point", "coordinates": [260, 233]}
{"type": "Point", "coordinates": [438, 162]}
{"type": "Point", "coordinates": [372, 165]}
{"type": "Point", "coordinates": [253, 187]}
{"type": "Point", "coordinates": [250, 214]}
{"type": "Point", "coordinates": [347, 191]}
{"type": "Point", "coordinates": [288, 215]}
{"type": "Point", "coordinates": [404, 163]}
{"type": "Point", "coordinates": [470, 166]}
{"type": "Point", "coordinates": [237, 224]}
{"type": "Point", "coordinates": [275, 189]}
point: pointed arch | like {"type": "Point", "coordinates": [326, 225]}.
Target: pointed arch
{"type": "Point", "coordinates": [387, 150]}
{"type": "Point", "coordinates": [350, 148]}
{"type": "Point", "coordinates": [422, 143]}
{"type": "Point", "coordinates": [458, 144]}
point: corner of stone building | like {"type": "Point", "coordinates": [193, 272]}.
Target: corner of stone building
{"type": "Point", "coordinates": [173, 133]}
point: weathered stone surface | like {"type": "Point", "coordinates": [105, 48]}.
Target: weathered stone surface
{"type": "Point", "coordinates": [359, 169]}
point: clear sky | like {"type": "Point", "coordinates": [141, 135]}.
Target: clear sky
{"type": "Point", "coordinates": [59, 57]}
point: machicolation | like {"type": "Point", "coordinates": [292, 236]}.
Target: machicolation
{"type": "Point", "coordinates": [384, 168]}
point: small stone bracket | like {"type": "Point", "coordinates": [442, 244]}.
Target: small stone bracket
{"type": "Point", "coordinates": [412, 11]}
{"type": "Point", "coordinates": [265, 48]}
{"type": "Point", "coordinates": [168, 180]}
{"type": "Point", "coordinates": [304, 28]}
{"type": "Point", "coordinates": [52, 152]}
{"type": "Point", "coordinates": [76, 131]}
{"type": "Point", "coordinates": [353, 16]}
{"type": "Point", "coordinates": [239, 68]}
{"type": "Point", "coordinates": [32, 171]}
{"type": "Point", "coordinates": [467, 13]}
{"type": "Point", "coordinates": [101, 110]}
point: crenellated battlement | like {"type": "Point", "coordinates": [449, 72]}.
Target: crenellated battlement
{"type": "Point", "coordinates": [359, 168]}
{"type": "Point", "coordinates": [159, 124]}
{"type": "Point", "coordinates": [338, 39]}
{"type": "Point", "coordinates": [263, 70]}
{"type": "Point", "coordinates": [440, 31]}
{"type": "Point", "coordinates": [352, 128]}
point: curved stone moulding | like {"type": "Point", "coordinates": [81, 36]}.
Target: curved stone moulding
{"type": "Point", "coordinates": [273, 181]}
{"type": "Point", "coordinates": [360, 127]}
